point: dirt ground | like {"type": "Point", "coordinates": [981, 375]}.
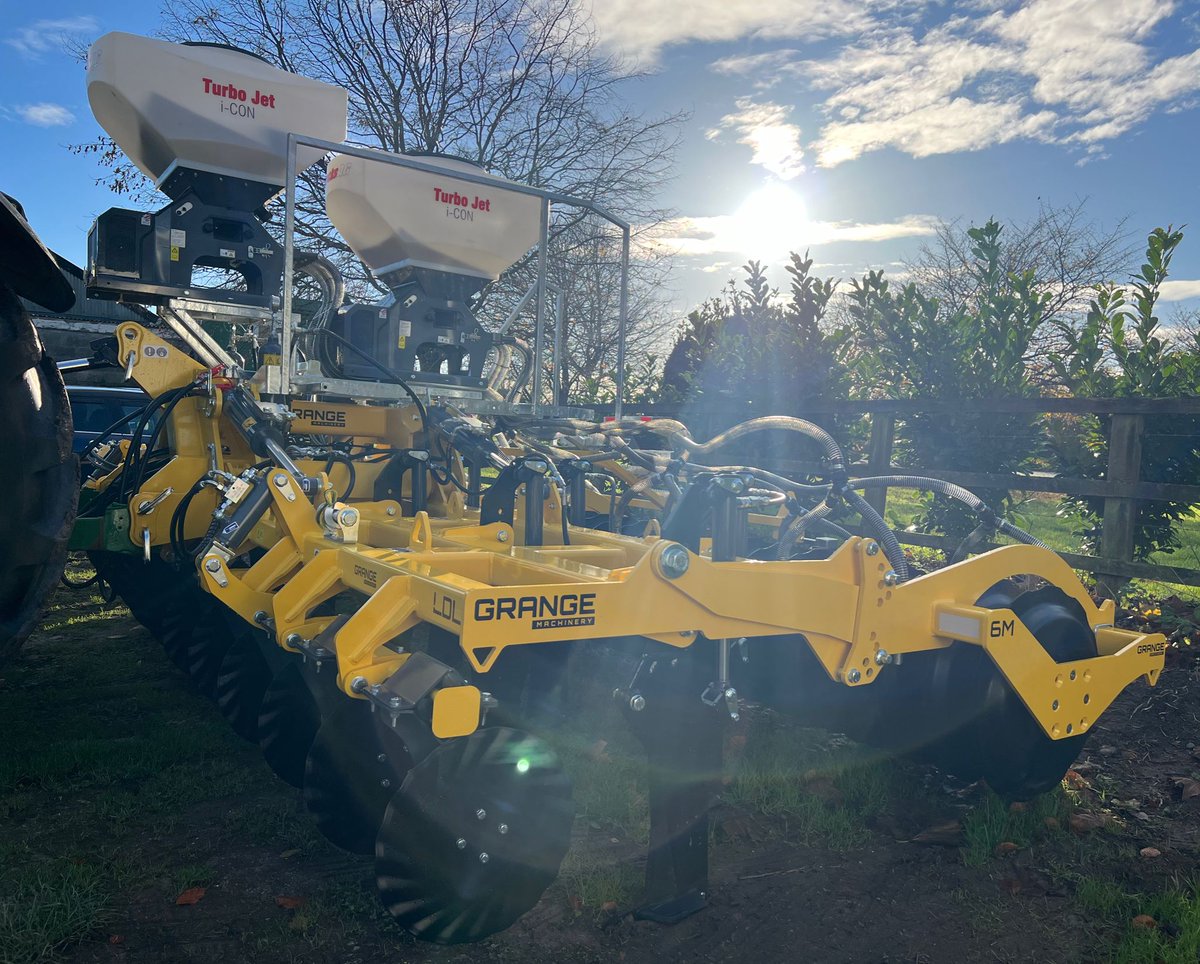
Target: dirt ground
{"type": "Point", "coordinates": [909, 886]}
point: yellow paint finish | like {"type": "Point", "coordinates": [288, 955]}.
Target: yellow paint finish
{"type": "Point", "coordinates": [456, 711]}
{"type": "Point", "coordinates": [157, 366]}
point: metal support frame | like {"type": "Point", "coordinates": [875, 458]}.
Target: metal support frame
{"type": "Point", "coordinates": [296, 141]}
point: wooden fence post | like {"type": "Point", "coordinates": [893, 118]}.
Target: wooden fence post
{"type": "Point", "coordinates": [1119, 525]}
{"type": "Point", "coordinates": [879, 456]}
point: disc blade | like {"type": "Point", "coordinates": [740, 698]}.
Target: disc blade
{"type": "Point", "coordinates": [352, 772]}
{"type": "Point", "coordinates": [210, 641]}
{"type": "Point", "coordinates": [287, 724]}
{"type": "Point", "coordinates": [241, 682]}
{"type": "Point", "coordinates": [474, 836]}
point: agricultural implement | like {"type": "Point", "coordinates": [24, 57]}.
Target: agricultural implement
{"type": "Point", "coordinates": [347, 527]}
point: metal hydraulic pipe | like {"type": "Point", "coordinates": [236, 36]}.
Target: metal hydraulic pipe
{"type": "Point", "coordinates": [622, 322]}
{"type": "Point", "coordinates": [289, 267]}
{"type": "Point", "coordinates": [539, 326]}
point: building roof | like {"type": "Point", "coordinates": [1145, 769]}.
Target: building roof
{"type": "Point", "coordinates": [89, 311]}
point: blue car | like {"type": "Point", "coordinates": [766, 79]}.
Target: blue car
{"type": "Point", "coordinates": [96, 408]}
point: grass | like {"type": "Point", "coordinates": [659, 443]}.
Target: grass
{"type": "Point", "coordinates": [821, 796]}
{"type": "Point", "coordinates": [994, 822]}
{"type": "Point", "coordinates": [1174, 937]}
{"type": "Point", "coordinates": [45, 905]}
{"type": "Point", "coordinates": [105, 754]}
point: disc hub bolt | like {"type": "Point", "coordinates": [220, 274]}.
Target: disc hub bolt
{"type": "Point", "coordinates": [637, 702]}
{"type": "Point", "coordinates": [461, 843]}
{"type": "Point", "coordinates": [484, 858]}
{"type": "Point", "coordinates": [503, 828]}
{"type": "Point", "coordinates": [481, 814]}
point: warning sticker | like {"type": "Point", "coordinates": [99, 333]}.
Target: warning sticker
{"type": "Point", "coordinates": [146, 220]}
{"type": "Point", "coordinates": [228, 253]}
{"type": "Point", "coordinates": [404, 327]}
{"type": "Point", "coordinates": [174, 252]}
{"type": "Point", "coordinates": [178, 238]}
{"type": "Point", "coordinates": [401, 341]}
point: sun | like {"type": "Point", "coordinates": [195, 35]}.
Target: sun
{"type": "Point", "coordinates": [771, 222]}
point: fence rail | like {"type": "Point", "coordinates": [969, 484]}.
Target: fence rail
{"type": "Point", "coordinates": [1122, 487]}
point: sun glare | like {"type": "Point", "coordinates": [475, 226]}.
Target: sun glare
{"type": "Point", "coordinates": [771, 222]}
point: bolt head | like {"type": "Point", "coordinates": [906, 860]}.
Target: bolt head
{"type": "Point", "coordinates": [637, 702]}
{"type": "Point", "coordinates": [213, 565]}
{"type": "Point", "coordinates": [484, 858]}
{"type": "Point", "coordinates": [674, 561]}
{"type": "Point", "coordinates": [502, 535]}
{"type": "Point", "coordinates": [391, 510]}
{"type": "Point", "coordinates": [394, 700]}
{"type": "Point", "coordinates": [890, 578]}
{"type": "Point", "coordinates": [358, 684]}
{"type": "Point", "coordinates": [279, 479]}
{"type": "Point", "coordinates": [854, 676]}
{"type": "Point", "coordinates": [385, 783]}
{"type": "Point", "coordinates": [882, 657]}
{"type": "Point", "coordinates": [1054, 705]}
{"type": "Point", "coordinates": [382, 758]}
{"type": "Point", "coordinates": [130, 334]}
{"type": "Point", "coordinates": [261, 616]}
{"type": "Point", "coordinates": [349, 517]}
{"type": "Point", "coordinates": [503, 828]}
{"type": "Point", "coordinates": [481, 814]}
{"type": "Point", "coordinates": [461, 843]}
{"type": "Point", "coordinates": [872, 548]}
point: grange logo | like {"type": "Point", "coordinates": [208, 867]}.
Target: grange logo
{"type": "Point", "coordinates": [546, 612]}
{"type": "Point", "coordinates": [1152, 649]}
{"type": "Point", "coordinates": [322, 418]}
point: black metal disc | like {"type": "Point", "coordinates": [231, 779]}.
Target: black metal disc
{"type": "Point", "coordinates": [1017, 758]}
{"type": "Point", "coordinates": [242, 680]}
{"type": "Point", "coordinates": [287, 724]}
{"type": "Point", "coordinates": [987, 733]}
{"type": "Point", "coordinates": [352, 772]}
{"type": "Point", "coordinates": [474, 836]}
{"type": "Point", "coordinates": [209, 641]}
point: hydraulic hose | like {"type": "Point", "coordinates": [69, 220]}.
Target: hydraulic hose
{"type": "Point", "coordinates": [796, 528]}
{"type": "Point", "coordinates": [881, 530]}
{"type": "Point", "coordinates": [952, 491]}
{"type": "Point", "coordinates": [832, 451]}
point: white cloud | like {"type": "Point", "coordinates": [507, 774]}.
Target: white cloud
{"type": "Point", "coordinates": [43, 36]}
{"type": "Point", "coordinates": [1180, 289]}
{"type": "Point", "coordinates": [44, 115]}
{"type": "Point", "coordinates": [731, 234]}
{"type": "Point", "coordinates": [639, 30]}
{"type": "Point", "coordinates": [1072, 72]}
{"type": "Point", "coordinates": [765, 129]}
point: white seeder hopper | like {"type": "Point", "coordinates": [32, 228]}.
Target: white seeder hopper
{"type": "Point", "coordinates": [207, 108]}
{"type": "Point", "coordinates": [209, 125]}
{"type": "Point", "coordinates": [397, 217]}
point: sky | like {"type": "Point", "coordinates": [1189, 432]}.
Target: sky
{"type": "Point", "coordinates": [847, 127]}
